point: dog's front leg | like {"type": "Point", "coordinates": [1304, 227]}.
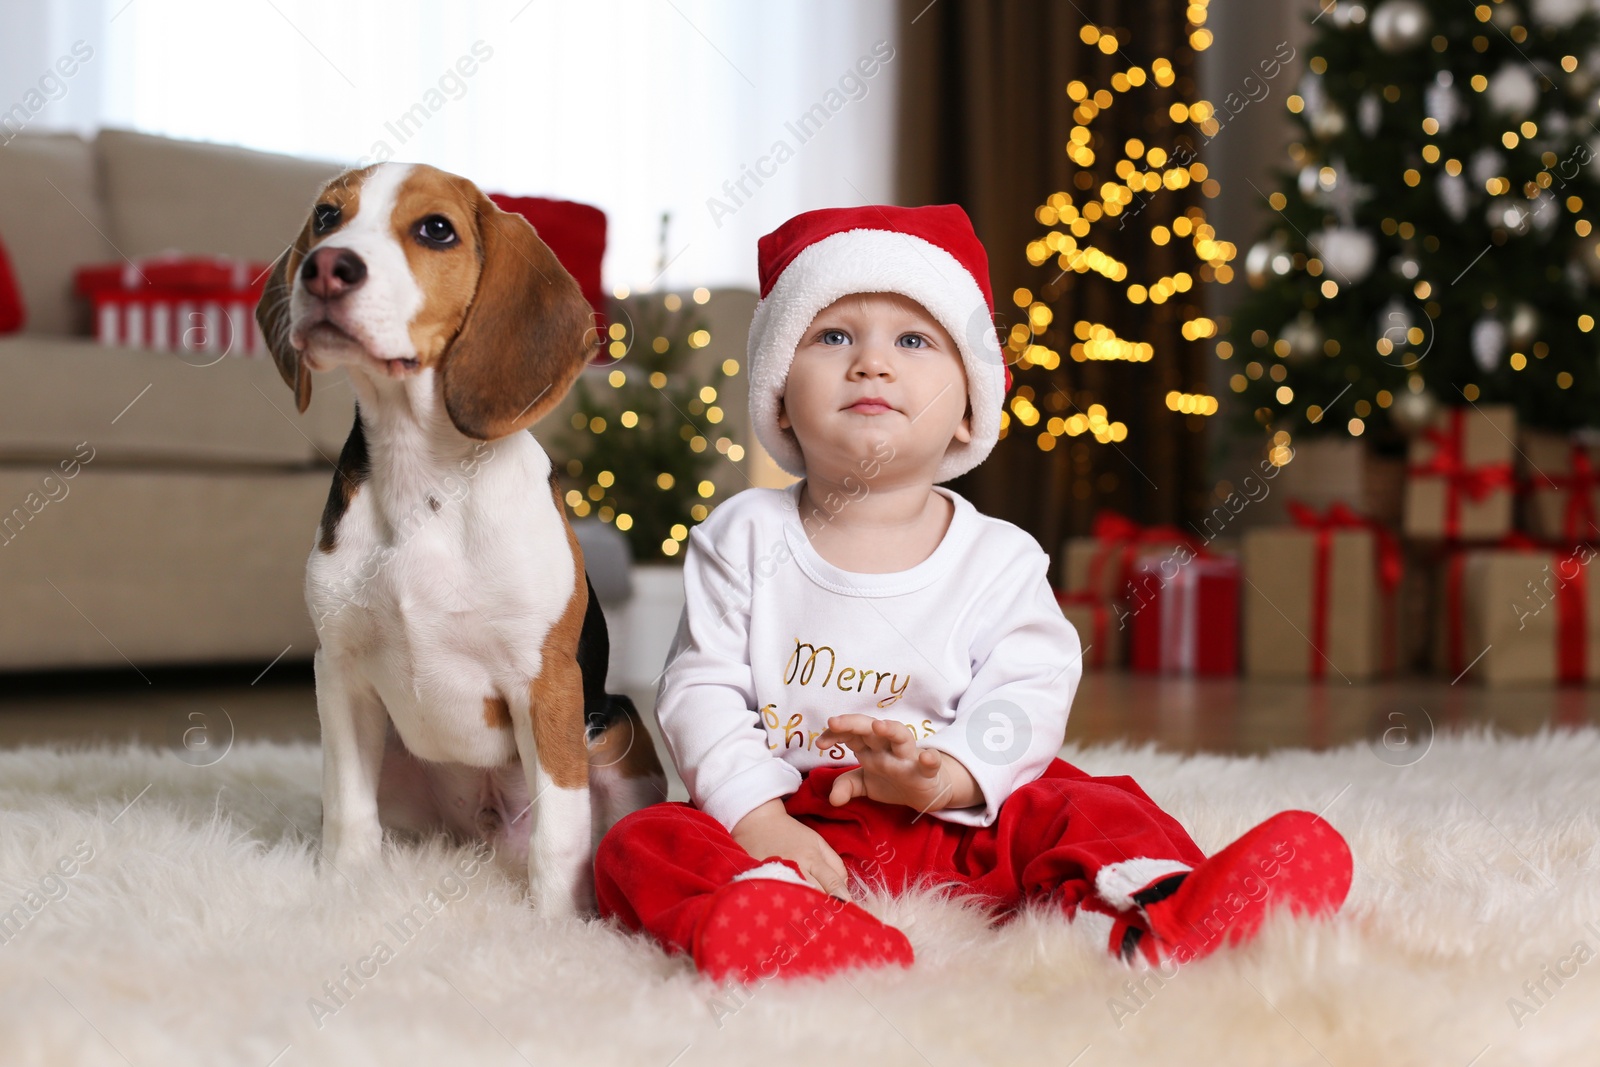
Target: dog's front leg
{"type": "Point", "coordinates": [555, 760]}
{"type": "Point", "coordinates": [353, 725]}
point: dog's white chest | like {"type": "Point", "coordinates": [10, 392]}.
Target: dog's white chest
{"type": "Point", "coordinates": [439, 593]}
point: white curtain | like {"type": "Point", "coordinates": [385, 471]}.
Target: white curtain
{"type": "Point", "coordinates": [729, 115]}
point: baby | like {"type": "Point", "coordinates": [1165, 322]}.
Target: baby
{"type": "Point", "coordinates": [871, 679]}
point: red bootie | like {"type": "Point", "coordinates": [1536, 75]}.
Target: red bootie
{"type": "Point", "coordinates": [1294, 860]}
{"type": "Point", "coordinates": [759, 928]}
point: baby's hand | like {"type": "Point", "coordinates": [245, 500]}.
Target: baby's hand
{"type": "Point", "coordinates": [893, 769]}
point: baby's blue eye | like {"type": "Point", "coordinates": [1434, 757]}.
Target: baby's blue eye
{"type": "Point", "coordinates": [834, 337]}
{"type": "Point", "coordinates": [913, 340]}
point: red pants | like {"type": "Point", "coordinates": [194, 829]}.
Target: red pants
{"type": "Point", "coordinates": [656, 868]}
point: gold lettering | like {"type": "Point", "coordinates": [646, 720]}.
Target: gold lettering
{"type": "Point", "coordinates": [844, 677]}
{"type": "Point", "coordinates": [896, 691]}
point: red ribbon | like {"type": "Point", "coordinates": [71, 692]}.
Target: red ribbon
{"type": "Point", "coordinates": [1448, 462]}
{"type": "Point", "coordinates": [1571, 600]}
{"type": "Point", "coordinates": [1339, 516]}
{"type": "Point", "coordinates": [1123, 539]}
{"type": "Point", "coordinates": [1580, 482]}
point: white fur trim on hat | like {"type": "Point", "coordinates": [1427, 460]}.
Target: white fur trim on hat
{"type": "Point", "coordinates": [875, 261]}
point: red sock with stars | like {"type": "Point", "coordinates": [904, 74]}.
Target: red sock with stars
{"type": "Point", "coordinates": [771, 922]}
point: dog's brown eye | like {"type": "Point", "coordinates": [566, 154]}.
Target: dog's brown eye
{"type": "Point", "coordinates": [325, 217]}
{"type": "Point", "coordinates": [436, 230]}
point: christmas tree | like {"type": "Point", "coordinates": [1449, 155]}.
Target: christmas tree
{"type": "Point", "coordinates": [1432, 244]}
{"type": "Point", "coordinates": [642, 447]}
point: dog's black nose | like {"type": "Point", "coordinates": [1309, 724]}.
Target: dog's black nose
{"type": "Point", "coordinates": [329, 273]}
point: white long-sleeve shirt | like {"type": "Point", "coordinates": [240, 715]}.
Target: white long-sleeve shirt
{"type": "Point", "coordinates": [968, 648]}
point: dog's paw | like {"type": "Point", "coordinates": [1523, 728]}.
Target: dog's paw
{"type": "Point", "coordinates": [352, 848]}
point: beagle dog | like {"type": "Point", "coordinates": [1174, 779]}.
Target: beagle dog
{"type": "Point", "coordinates": [460, 673]}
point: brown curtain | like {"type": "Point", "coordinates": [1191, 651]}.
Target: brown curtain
{"type": "Point", "coordinates": [984, 122]}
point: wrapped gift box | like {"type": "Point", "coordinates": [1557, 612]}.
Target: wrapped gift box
{"type": "Point", "coordinates": [1459, 485]}
{"type": "Point", "coordinates": [1102, 563]}
{"type": "Point", "coordinates": [1343, 470]}
{"type": "Point", "coordinates": [1184, 612]}
{"type": "Point", "coordinates": [1320, 598]}
{"type": "Point", "coordinates": [177, 303]}
{"type": "Point", "coordinates": [1100, 632]}
{"type": "Point", "coordinates": [1562, 476]}
{"type": "Point", "coordinates": [1522, 615]}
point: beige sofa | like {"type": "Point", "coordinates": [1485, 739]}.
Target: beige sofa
{"type": "Point", "coordinates": [152, 510]}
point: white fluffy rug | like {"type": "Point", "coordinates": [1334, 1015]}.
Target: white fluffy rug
{"type": "Point", "coordinates": [194, 928]}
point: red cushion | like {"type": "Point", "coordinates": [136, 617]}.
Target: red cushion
{"type": "Point", "coordinates": [575, 232]}
{"type": "Point", "coordinates": [12, 313]}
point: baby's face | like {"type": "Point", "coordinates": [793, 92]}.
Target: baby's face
{"type": "Point", "coordinates": [875, 370]}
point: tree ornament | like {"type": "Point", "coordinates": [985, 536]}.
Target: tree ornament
{"type": "Point", "coordinates": [1544, 211]}
{"type": "Point", "coordinates": [1340, 191]}
{"type": "Point", "coordinates": [1523, 327]}
{"type": "Point", "coordinates": [1400, 25]}
{"type": "Point", "coordinates": [1454, 195]}
{"type": "Point", "coordinates": [1406, 264]}
{"type": "Point", "coordinates": [1510, 215]}
{"type": "Point", "coordinates": [1558, 14]}
{"type": "Point", "coordinates": [1488, 343]}
{"type": "Point", "coordinates": [1327, 122]}
{"type": "Point", "coordinates": [1348, 14]}
{"type": "Point", "coordinates": [1442, 103]}
{"type": "Point", "coordinates": [1266, 259]}
{"type": "Point", "coordinates": [1485, 163]}
{"type": "Point", "coordinates": [1395, 322]}
{"type": "Point", "coordinates": [1587, 253]}
{"type": "Point", "coordinates": [1503, 16]}
{"type": "Point", "coordinates": [1413, 412]}
{"type": "Point", "coordinates": [1369, 114]}
{"type": "Point", "coordinates": [1304, 338]}
{"type": "Point", "coordinates": [1513, 92]}
{"type": "Point", "coordinates": [1348, 252]}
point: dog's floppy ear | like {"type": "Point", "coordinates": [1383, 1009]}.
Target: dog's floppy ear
{"type": "Point", "coordinates": [272, 316]}
{"type": "Point", "coordinates": [526, 335]}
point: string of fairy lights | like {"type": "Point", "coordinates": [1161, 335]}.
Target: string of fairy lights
{"type": "Point", "coordinates": [702, 406]}
{"type": "Point", "coordinates": [1142, 171]}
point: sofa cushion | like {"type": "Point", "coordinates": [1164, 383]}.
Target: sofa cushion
{"type": "Point", "coordinates": [52, 221]}
{"type": "Point", "coordinates": [164, 194]}
{"type": "Point", "coordinates": [138, 406]}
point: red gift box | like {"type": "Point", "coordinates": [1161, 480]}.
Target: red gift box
{"type": "Point", "coordinates": [177, 302]}
{"type": "Point", "coordinates": [1185, 614]}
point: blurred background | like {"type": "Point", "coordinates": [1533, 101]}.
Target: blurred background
{"type": "Point", "coordinates": [1298, 298]}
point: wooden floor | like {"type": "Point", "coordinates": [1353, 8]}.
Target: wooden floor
{"type": "Point", "coordinates": [167, 708]}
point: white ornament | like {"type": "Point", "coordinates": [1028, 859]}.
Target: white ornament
{"type": "Point", "coordinates": [1454, 195]}
{"type": "Point", "coordinates": [1503, 16]}
{"type": "Point", "coordinates": [1442, 103]}
{"type": "Point", "coordinates": [1558, 14]}
{"type": "Point", "coordinates": [1327, 122]}
{"type": "Point", "coordinates": [1399, 25]}
{"type": "Point", "coordinates": [1267, 258]}
{"type": "Point", "coordinates": [1347, 13]}
{"type": "Point", "coordinates": [1369, 114]}
{"type": "Point", "coordinates": [1488, 343]}
{"type": "Point", "coordinates": [1394, 323]}
{"type": "Point", "coordinates": [1303, 337]}
{"type": "Point", "coordinates": [1413, 412]}
{"type": "Point", "coordinates": [1512, 91]}
{"type": "Point", "coordinates": [1348, 252]}
{"type": "Point", "coordinates": [1507, 214]}
{"type": "Point", "coordinates": [1485, 163]}
{"type": "Point", "coordinates": [1545, 211]}
{"type": "Point", "coordinates": [1524, 325]}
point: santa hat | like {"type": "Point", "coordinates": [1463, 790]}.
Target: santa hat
{"type": "Point", "coordinates": [928, 254]}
